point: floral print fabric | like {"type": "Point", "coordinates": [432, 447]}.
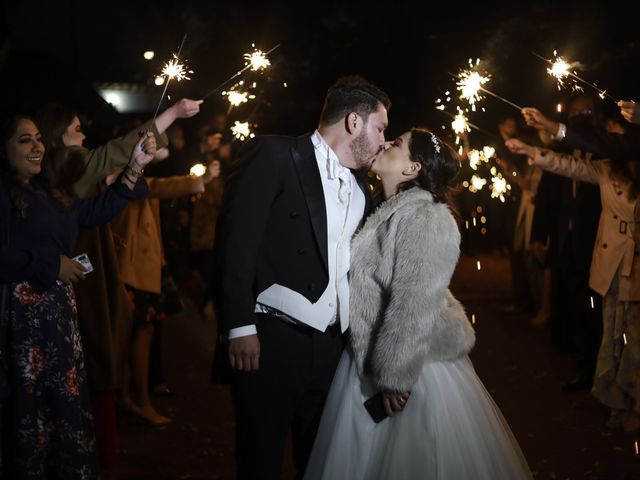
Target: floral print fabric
{"type": "Point", "coordinates": [48, 432]}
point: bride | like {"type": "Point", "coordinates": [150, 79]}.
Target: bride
{"type": "Point", "coordinates": [409, 342]}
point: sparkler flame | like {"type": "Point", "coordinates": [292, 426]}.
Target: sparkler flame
{"type": "Point", "coordinates": [241, 130]}
{"type": "Point", "coordinates": [474, 161]}
{"type": "Point", "coordinates": [499, 187]}
{"type": "Point", "coordinates": [488, 152]}
{"type": "Point", "coordinates": [257, 59]}
{"type": "Point", "coordinates": [460, 124]}
{"type": "Point", "coordinates": [469, 84]}
{"type": "Point", "coordinates": [174, 70]}
{"type": "Point", "coordinates": [197, 170]}
{"type": "Point", "coordinates": [476, 185]}
{"type": "Point", "coordinates": [236, 97]}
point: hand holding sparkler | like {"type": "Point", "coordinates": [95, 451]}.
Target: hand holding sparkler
{"type": "Point", "coordinates": [630, 111]}
{"type": "Point", "coordinates": [142, 154]}
{"type": "Point", "coordinates": [520, 148]}
{"type": "Point", "coordinates": [534, 118]}
{"type": "Point", "coordinates": [213, 171]}
{"type": "Point", "coordinates": [184, 108]}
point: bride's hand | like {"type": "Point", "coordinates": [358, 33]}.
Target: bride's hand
{"type": "Point", "coordinates": [394, 401]}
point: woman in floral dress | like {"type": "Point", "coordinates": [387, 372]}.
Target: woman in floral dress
{"type": "Point", "coordinates": [46, 426]}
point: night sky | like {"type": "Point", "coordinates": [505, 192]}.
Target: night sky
{"type": "Point", "coordinates": [61, 48]}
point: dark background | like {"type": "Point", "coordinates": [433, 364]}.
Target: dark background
{"type": "Point", "coordinates": [55, 50]}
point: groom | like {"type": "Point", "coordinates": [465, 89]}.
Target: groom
{"type": "Point", "coordinates": [290, 209]}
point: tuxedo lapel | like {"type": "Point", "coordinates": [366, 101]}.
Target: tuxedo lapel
{"type": "Point", "coordinates": [364, 186]}
{"type": "Point", "coordinates": [307, 168]}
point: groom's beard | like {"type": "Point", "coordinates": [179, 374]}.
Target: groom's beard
{"type": "Point", "coordinates": [360, 151]}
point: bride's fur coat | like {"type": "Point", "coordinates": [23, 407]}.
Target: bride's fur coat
{"type": "Point", "coordinates": [402, 313]}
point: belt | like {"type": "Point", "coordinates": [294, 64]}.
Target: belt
{"type": "Point", "coordinates": [289, 320]}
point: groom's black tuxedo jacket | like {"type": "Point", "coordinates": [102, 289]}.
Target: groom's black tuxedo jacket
{"type": "Point", "coordinates": [272, 227]}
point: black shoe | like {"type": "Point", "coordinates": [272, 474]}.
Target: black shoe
{"type": "Point", "coordinates": [578, 384]}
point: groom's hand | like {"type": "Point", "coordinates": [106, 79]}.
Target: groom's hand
{"type": "Point", "coordinates": [244, 353]}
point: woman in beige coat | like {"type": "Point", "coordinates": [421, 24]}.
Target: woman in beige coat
{"type": "Point", "coordinates": [615, 274]}
{"type": "Point", "coordinates": [141, 258]}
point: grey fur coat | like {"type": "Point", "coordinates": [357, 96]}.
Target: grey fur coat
{"type": "Point", "coordinates": [402, 313]}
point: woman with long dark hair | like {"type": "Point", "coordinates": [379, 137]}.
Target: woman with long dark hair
{"type": "Point", "coordinates": [46, 425]}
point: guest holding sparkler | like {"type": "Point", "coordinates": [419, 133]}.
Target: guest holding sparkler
{"type": "Point", "coordinates": [141, 258]}
{"type": "Point", "coordinates": [615, 272]}
{"type": "Point", "coordinates": [566, 217]}
{"type": "Point", "coordinates": [47, 428]}
{"type": "Point", "coordinates": [104, 309]}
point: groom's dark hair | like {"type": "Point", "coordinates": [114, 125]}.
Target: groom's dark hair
{"type": "Point", "coordinates": [352, 94]}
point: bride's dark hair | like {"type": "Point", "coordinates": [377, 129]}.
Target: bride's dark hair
{"type": "Point", "coordinates": [440, 164]}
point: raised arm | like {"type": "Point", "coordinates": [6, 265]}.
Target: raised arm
{"type": "Point", "coordinates": [559, 163]}
{"type": "Point", "coordinates": [114, 154]}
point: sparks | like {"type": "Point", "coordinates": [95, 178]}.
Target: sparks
{"type": "Point", "coordinates": [174, 70]}
{"type": "Point", "coordinates": [488, 152]}
{"type": "Point", "coordinates": [498, 187]}
{"type": "Point", "coordinates": [197, 170]}
{"type": "Point", "coordinates": [624, 337]}
{"type": "Point", "coordinates": [473, 319]}
{"type": "Point", "coordinates": [636, 444]}
{"type": "Point", "coordinates": [478, 264]}
{"type": "Point", "coordinates": [460, 124]}
{"type": "Point", "coordinates": [469, 84]}
{"type": "Point", "coordinates": [241, 130]}
{"type": "Point", "coordinates": [592, 305]}
{"type": "Point", "coordinates": [257, 60]}
{"type": "Point", "coordinates": [476, 185]}
{"type": "Point", "coordinates": [560, 70]}
{"type": "Point", "coordinates": [474, 161]}
{"type": "Point", "coordinates": [237, 98]}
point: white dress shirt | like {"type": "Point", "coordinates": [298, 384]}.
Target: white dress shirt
{"type": "Point", "coordinates": [345, 203]}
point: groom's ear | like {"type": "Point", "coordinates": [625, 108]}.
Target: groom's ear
{"type": "Point", "coordinates": [352, 123]}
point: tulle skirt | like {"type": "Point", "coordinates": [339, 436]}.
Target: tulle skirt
{"type": "Point", "coordinates": [450, 429]}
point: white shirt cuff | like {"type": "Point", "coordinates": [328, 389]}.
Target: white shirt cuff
{"type": "Point", "coordinates": [562, 131]}
{"type": "Point", "coordinates": [242, 331]}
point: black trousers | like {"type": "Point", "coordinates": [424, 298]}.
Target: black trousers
{"type": "Point", "coordinates": [286, 394]}
{"type": "Point", "coordinates": [576, 325]}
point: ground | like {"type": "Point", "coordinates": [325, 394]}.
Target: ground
{"type": "Point", "coordinates": [561, 434]}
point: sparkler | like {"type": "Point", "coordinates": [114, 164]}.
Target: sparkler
{"type": "Point", "coordinates": [476, 185]}
{"type": "Point", "coordinates": [172, 69]}
{"type": "Point", "coordinates": [197, 170]}
{"type": "Point", "coordinates": [470, 82]}
{"type": "Point", "coordinates": [237, 97]}
{"type": "Point", "coordinates": [241, 130]}
{"type": "Point", "coordinates": [255, 61]}
{"type": "Point", "coordinates": [560, 69]}
{"type": "Point", "coordinates": [460, 124]}
{"type": "Point", "coordinates": [499, 187]}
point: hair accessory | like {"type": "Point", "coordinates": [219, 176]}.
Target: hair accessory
{"type": "Point", "coordinates": [436, 144]}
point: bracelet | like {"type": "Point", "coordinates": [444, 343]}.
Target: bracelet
{"type": "Point", "coordinates": [129, 178]}
{"type": "Point", "coordinates": [137, 173]}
